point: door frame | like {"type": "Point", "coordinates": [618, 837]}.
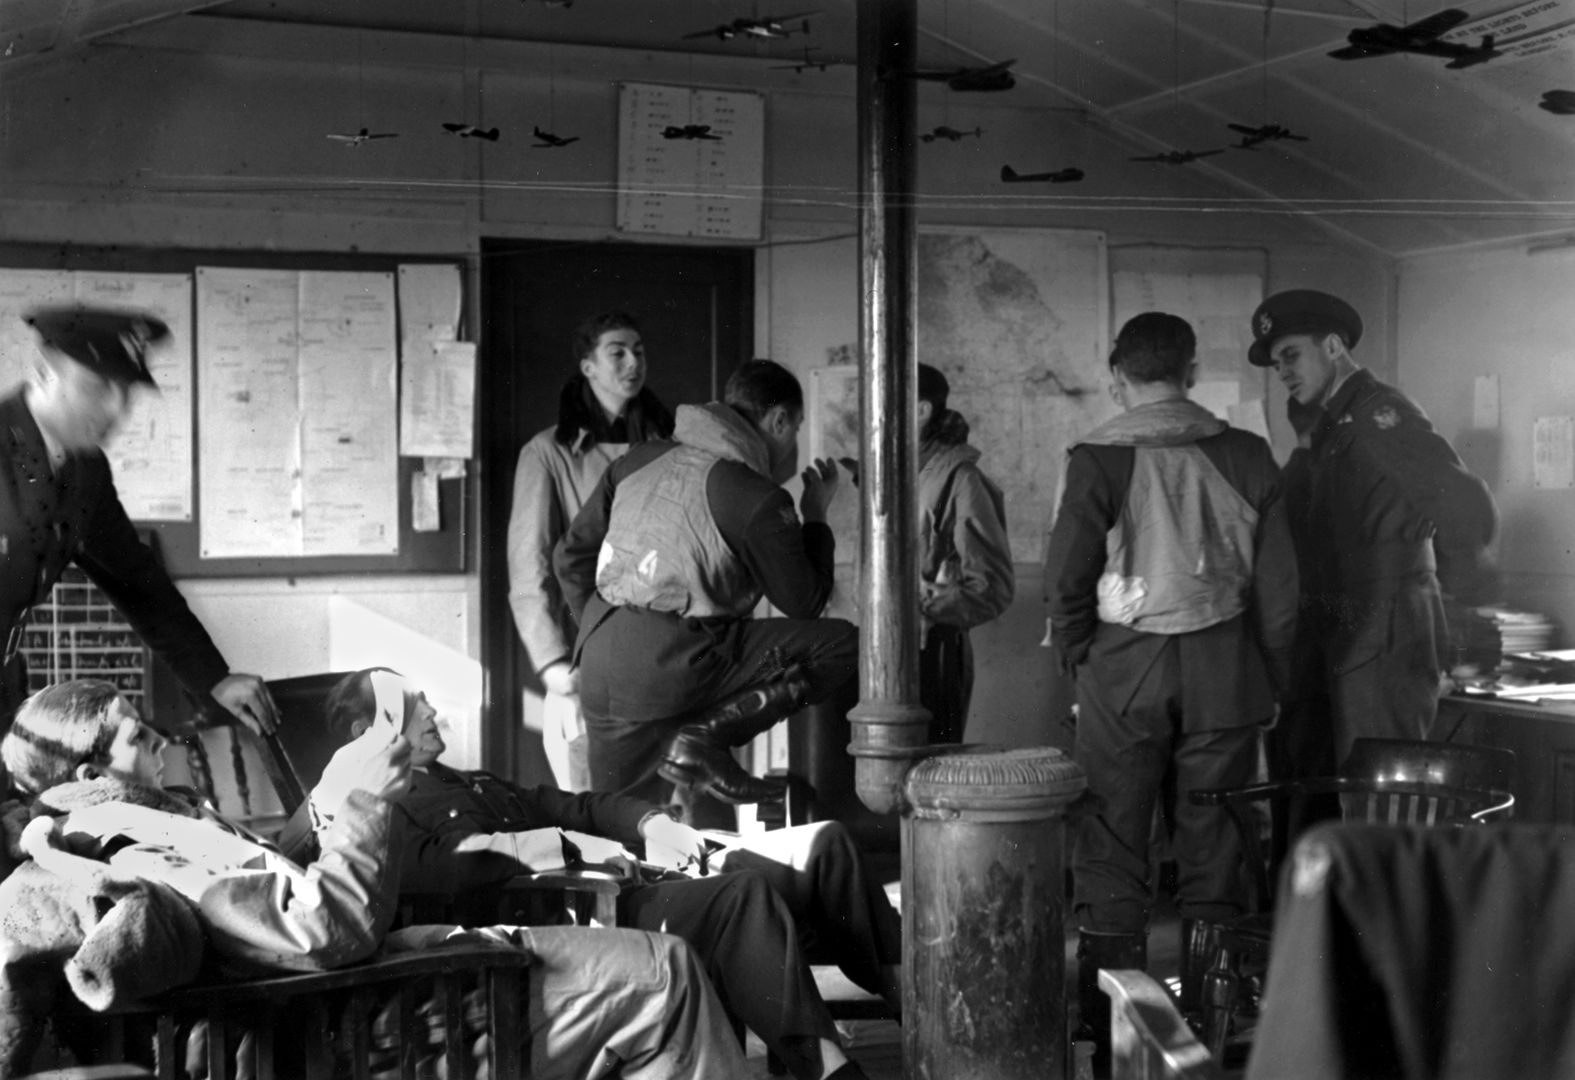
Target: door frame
{"type": "Point", "coordinates": [505, 749]}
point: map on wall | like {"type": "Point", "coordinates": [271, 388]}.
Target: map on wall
{"type": "Point", "coordinates": [1017, 321]}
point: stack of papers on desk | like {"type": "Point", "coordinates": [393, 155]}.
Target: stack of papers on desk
{"type": "Point", "coordinates": [1521, 631]}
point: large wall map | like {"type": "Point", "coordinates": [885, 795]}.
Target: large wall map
{"type": "Point", "coordinates": [1018, 323]}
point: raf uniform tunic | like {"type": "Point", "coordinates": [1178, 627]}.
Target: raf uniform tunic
{"type": "Point", "coordinates": [50, 518]}
{"type": "Point", "coordinates": [1391, 510]}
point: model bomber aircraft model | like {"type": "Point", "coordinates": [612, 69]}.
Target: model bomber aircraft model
{"type": "Point", "coordinates": [1422, 38]}
{"type": "Point", "coordinates": [471, 131]}
{"type": "Point", "coordinates": [949, 134]}
{"type": "Point", "coordinates": [987, 79]}
{"type": "Point", "coordinates": [1178, 157]}
{"type": "Point", "coordinates": [803, 65]}
{"type": "Point", "coordinates": [547, 140]}
{"type": "Point", "coordinates": [1252, 136]}
{"type": "Point", "coordinates": [363, 136]}
{"type": "Point", "coordinates": [690, 131]}
{"type": "Point", "coordinates": [1558, 102]}
{"type": "Point", "coordinates": [766, 26]}
{"type": "Point", "coordinates": [1070, 175]}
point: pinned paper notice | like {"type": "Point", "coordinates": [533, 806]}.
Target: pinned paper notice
{"type": "Point", "coordinates": [424, 515]}
{"type": "Point", "coordinates": [1484, 403]}
{"type": "Point", "coordinates": [1553, 452]}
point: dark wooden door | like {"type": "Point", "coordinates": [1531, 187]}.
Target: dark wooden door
{"type": "Point", "coordinates": [696, 312]}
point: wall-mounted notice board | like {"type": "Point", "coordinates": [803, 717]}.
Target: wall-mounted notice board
{"type": "Point", "coordinates": [167, 433]}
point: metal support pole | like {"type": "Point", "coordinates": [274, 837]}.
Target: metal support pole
{"type": "Point", "coordinates": [889, 726]}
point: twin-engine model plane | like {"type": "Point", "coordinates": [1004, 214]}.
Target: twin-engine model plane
{"type": "Point", "coordinates": [1422, 38]}
{"type": "Point", "coordinates": [548, 141]}
{"type": "Point", "coordinates": [1069, 175]}
{"type": "Point", "coordinates": [1558, 102]}
{"type": "Point", "coordinates": [989, 78]}
{"type": "Point", "coordinates": [471, 131]}
{"type": "Point", "coordinates": [1178, 157]}
{"type": "Point", "coordinates": [363, 136]}
{"type": "Point", "coordinates": [690, 131]}
{"type": "Point", "coordinates": [1252, 136]}
{"type": "Point", "coordinates": [806, 64]}
{"type": "Point", "coordinates": [949, 134]}
{"type": "Point", "coordinates": [766, 26]}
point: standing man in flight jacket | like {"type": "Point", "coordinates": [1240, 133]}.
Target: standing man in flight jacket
{"type": "Point", "coordinates": [1174, 605]}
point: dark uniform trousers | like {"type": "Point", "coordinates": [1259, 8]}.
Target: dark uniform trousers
{"type": "Point", "coordinates": [748, 942]}
{"type": "Point", "coordinates": [644, 674]}
{"type": "Point", "coordinates": [749, 923]}
{"type": "Point", "coordinates": [1384, 658]}
{"type": "Point", "coordinates": [1138, 750]}
{"type": "Point", "coordinates": [946, 682]}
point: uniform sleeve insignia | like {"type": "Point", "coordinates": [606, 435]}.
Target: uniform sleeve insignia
{"type": "Point", "coordinates": [789, 518]}
{"type": "Point", "coordinates": [1386, 417]}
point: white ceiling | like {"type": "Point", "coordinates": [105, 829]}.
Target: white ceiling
{"type": "Point", "coordinates": [1402, 152]}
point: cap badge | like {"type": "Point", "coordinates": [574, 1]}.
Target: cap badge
{"type": "Point", "coordinates": [1265, 324]}
{"type": "Point", "coordinates": [134, 339]}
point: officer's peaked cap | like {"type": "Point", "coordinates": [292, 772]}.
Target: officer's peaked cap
{"type": "Point", "coordinates": [1301, 311]}
{"type": "Point", "coordinates": [113, 342]}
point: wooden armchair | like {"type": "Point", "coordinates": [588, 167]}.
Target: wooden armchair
{"type": "Point", "coordinates": [1382, 782]}
{"type": "Point", "coordinates": [379, 1018]}
{"type": "Point", "coordinates": [356, 1022]}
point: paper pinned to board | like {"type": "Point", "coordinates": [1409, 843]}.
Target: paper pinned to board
{"type": "Point", "coordinates": [1553, 452]}
{"type": "Point", "coordinates": [424, 511]}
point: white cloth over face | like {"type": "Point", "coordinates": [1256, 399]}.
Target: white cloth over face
{"type": "Point", "coordinates": [346, 767]}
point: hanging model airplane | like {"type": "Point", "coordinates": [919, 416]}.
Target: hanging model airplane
{"type": "Point", "coordinates": [1421, 38]}
{"type": "Point", "coordinates": [803, 65]}
{"type": "Point", "coordinates": [471, 131]}
{"type": "Point", "coordinates": [985, 79]}
{"type": "Point", "coordinates": [1070, 175]}
{"type": "Point", "coordinates": [949, 134]}
{"type": "Point", "coordinates": [690, 131]}
{"type": "Point", "coordinates": [548, 141]}
{"type": "Point", "coordinates": [363, 136]}
{"type": "Point", "coordinates": [1178, 157]}
{"type": "Point", "coordinates": [1558, 102]}
{"type": "Point", "coordinates": [1252, 136]}
{"type": "Point", "coordinates": [766, 26]}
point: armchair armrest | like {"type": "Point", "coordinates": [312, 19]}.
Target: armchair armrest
{"type": "Point", "coordinates": [346, 1001]}
{"type": "Point", "coordinates": [1148, 1037]}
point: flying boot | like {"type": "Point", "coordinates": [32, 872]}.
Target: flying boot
{"type": "Point", "coordinates": [700, 755]}
{"type": "Point", "coordinates": [1095, 951]}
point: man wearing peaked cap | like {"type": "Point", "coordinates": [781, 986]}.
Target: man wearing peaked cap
{"type": "Point", "coordinates": [1392, 519]}
{"type": "Point", "coordinates": [58, 503]}
{"type": "Point", "coordinates": [114, 344]}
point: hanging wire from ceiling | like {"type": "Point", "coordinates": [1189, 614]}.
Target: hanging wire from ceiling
{"type": "Point", "coordinates": [1268, 26]}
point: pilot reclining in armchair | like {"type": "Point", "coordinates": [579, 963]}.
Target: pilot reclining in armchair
{"type": "Point", "coordinates": [598, 1000]}
{"type": "Point", "coordinates": [465, 833]}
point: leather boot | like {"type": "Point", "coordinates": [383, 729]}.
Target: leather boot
{"type": "Point", "coordinates": [698, 761]}
{"type": "Point", "coordinates": [1199, 942]}
{"type": "Point", "coordinates": [1095, 951]}
{"type": "Point", "coordinates": [734, 721]}
{"type": "Point", "coordinates": [699, 755]}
